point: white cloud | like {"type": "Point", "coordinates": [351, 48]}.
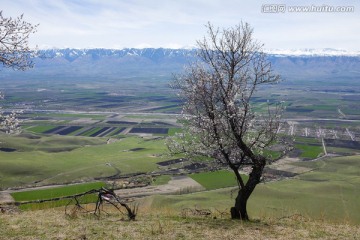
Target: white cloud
{"type": "Point", "coordinates": [165, 23]}
{"type": "Point", "coordinates": [143, 45]}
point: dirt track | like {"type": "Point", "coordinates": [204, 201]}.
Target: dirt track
{"type": "Point", "coordinates": [285, 164]}
{"type": "Point", "coordinates": [178, 184]}
{"type": "Point", "coordinates": [5, 197]}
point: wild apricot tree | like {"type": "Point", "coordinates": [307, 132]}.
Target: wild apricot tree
{"type": "Point", "coordinates": [218, 118]}
{"type": "Point", "coordinates": [14, 53]}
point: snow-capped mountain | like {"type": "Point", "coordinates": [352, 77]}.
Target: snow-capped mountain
{"type": "Point", "coordinates": [311, 52]}
{"type": "Point", "coordinates": [150, 62]}
{"type": "Point", "coordinates": [151, 53]}
{"type": "Point", "coordinates": [156, 53]}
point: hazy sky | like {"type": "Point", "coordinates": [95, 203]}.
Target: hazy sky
{"type": "Point", "coordinates": [179, 23]}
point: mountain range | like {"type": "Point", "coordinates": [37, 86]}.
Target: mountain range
{"type": "Point", "coordinates": [113, 64]}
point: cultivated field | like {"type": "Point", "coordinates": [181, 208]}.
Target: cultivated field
{"type": "Point", "coordinates": [78, 134]}
{"type": "Point", "coordinates": [42, 160]}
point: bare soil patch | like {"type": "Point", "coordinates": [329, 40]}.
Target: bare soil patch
{"type": "Point", "coordinates": [170, 162]}
{"type": "Point", "coordinates": [6, 198]}
{"type": "Point", "coordinates": [176, 185]}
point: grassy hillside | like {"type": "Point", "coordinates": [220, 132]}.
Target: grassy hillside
{"type": "Point", "coordinates": [31, 163]}
{"type": "Point", "coordinates": [329, 192]}
{"type": "Point", "coordinates": [165, 224]}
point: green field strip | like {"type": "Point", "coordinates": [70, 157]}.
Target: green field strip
{"type": "Point", "coordinates": [310, 140]}
{"type": "Point", "coordinates": [55, 130]}
{"type": "Point", "coordinates": [75, 133]}
{"type": "Point", "coordinates": [117, 131]}
{"type": "Point", "coordinates": [26, 127]}
{"type": "Point", "coordinates": [75, 115]}
{"type": "Point", "coordinates": [56, 192]}
{"type": "Point", "coordinates": [149, 130]}
{"type": "Point", "coordinates": [217, 179]}
{"type": "Point", "coordinates": [150, 116]}
{"type": "Point", "coordinates": [90, 131]}
{"type": "Point", "coordinates": [41, 128]}
{"type": "Point", "coordinates": [99, 132]}
{"type": "Point", "coordinates": [28, 143]}
{"type": "Point", "coordinates": [104, 134]}
{"type": "Point", "coordinates": [160, 180]}
{"type": "Point", "coordinates": [82, 131]}
{"type": "Point", "coordinates": [309, 151]}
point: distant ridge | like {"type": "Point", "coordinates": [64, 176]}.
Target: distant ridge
{"type": "Point", "coordinates": [72, 53]}
{"type": "Point", "coordinates": [311, 52]}
{"type": "Point", "coordinates": [152, 53]}
{"type": "Point", "coordinates": [150, 63]}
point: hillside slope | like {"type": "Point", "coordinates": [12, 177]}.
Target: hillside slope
{"type": "Point", "coordinates": [165, 224]}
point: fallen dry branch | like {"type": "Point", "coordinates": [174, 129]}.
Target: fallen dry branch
{"type": "Point", "coordinates": [186, 212]}
{"type": "Point", "coordinates": [104, 196]}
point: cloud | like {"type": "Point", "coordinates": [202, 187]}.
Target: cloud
{"type": "Point", "coordinates": [160, 23]}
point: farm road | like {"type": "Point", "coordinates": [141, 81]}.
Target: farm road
{"type": "Point", "coordinates": [176, 185]}
{"type": "Point", "coordinates": [5, 198]}
{"type": "Point", "coordinates": [285, 164]}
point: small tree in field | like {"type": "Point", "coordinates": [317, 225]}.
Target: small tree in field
{"type": "Point", "coordinates": [14, 53]}
{"type": "Point", "coordinates": [218, 117]}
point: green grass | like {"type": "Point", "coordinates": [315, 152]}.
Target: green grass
{"type": "Point", "coordinates": [112, 133]}
{"type": "Point", "coordinates": [150, 116]}
{"type": "Point", "coordinates": [323, 107]}
{"type": "Point", "coordinates": [329, 192]}
{"type": "Point", "coordinates": [160, 180]}
{"type": "Point", "coordinates": [172, 131]}
{"type": "Point", "coordinates": [90, 198]}
{"type": "Point", "coordinates": [215, 180]}
{"type": "Point", "coordinates": [309, 151]}
{"type": "Point", "coordinates": [342, 150]}
{"type": "Point", "coordinates": [75, 115]}
{"type": "Point", "coordinates": [84, 162]}
{"type": "Point", "coordinates": [76, 132]}
{"type": "Point", "coordinates": [56, 192]}
{"type": "Point", "coordinates": [273, 155]}
{"type": "Point", "coordinates": [164, 224]}
{"type": "Point", "coordinates": [91, 131]}
{"type": "Point", "coordinates": [307, 140]}
{"type": "Point", "coordinates": [28, 142]}
{"type": "Point", "coordinates": [40, 129]}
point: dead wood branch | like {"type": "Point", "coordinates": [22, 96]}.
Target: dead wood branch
{"type": "Point", "coordinates": [195, 212]}
{"type": "Point", "coordinates": [104, 196]}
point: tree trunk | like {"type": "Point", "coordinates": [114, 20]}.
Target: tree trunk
{"type": "Point", "coordinates": [239, 211]}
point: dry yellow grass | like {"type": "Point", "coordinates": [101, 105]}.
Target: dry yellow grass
{"type": "Point", "coordinates": [164, 224]}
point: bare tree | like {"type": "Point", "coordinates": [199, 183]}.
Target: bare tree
{"type": "Point", "coordinates": [14, 53]}
{"type": "Point", "coordinates": [219, 121]}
